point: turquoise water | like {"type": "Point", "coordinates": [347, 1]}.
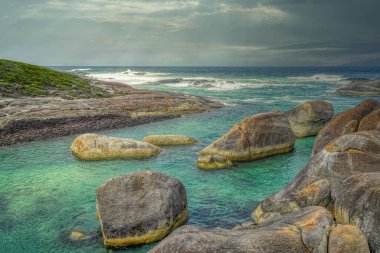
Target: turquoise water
{"type": "Point", "coordinates": [45, 192]}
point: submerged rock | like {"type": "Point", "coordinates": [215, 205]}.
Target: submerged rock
{"type": "Point", "coordinates": [97, 147]}
{"type": "Point", "coordinates": [258, 136]}
{"type": "Point", "coordinates": [344, 123]}
{"type": "Point", "coordinates": [140, 207]}
{"type": "Point", "coordinates": [334, 178]}
{"type": "Point", "coordinates": [169, 140]}
{"type": "Point", "coordinates": [370, 122]}
{"type": "Point", "coordinates": [212, 162]}
{"type": "Point", "coordinates": [361, 88]}
{"type": "Point", "coordinates": [347, 238]}
{"type": "Point", "coordinates": [303, 231]}
{"type": "Point", "coordinates": [308, 118]}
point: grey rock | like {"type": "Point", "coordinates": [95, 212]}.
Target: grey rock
{"type": "Point", "coordinates": [140, 207]}
{"type": "Point", "coordinates": [308, 118]}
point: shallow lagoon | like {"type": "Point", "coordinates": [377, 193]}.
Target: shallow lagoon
{"type": "Point", "coordinates": [45, 192]}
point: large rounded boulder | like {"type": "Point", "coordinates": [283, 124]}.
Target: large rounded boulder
{"type": "Point", "coordinates": [258, 136]}
{"type": "Point", "coordinates": [344, 123]}
{"type": "Point", "coordinates": [308, 118]}
{"type": "Point", "coordinates": [169, 140]}
{"type": "Point", "coordinates": [140, 207]}
{"type": "Point", "coordinates": [98, 147]}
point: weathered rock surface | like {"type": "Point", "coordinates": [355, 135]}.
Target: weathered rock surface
{"type": "Point", "coordinates": [344, 123]}
{"type": "Point", "coordinates": [370, 122]}
{"type": "Point", "coordinates": [212, 162]}
{"type": "Point", "coordinates": [98, 147]}
{"type": "Point", "coordinates": [361, 88]}
{"type": "Point", "coordinates": [329, 180]}
{"type": "Point", "coordinates": [347, 238]}
{"type": "Point", "coordinates": [303, 231]}
{"type": "Point", "coordinates": [169, 140]}
{"type": "Point", "coordinates": [359, 204]}
{"type": "Point", "coordinates": [27, 119]}
{"type": "Point", "coordinates": [308, 118]}
{"type": "Point", "coordinates": [258, 136]}
{"type": "Point", "coordinates": [140, 207]}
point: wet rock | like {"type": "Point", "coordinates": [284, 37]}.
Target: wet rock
{"type": "Point", "coordinates": [169, 140]}
{"type": "Point", "coordinates": [140, 207]}
{"type": "Point", "coordinates": [308, 118]}
{"type": "Point", "coordinates": [97, 147]}
{"type": "Point", "coordinates": [359, 204]}
{"type": "Point", "coordinates": [320, 182]}
{"type": "Point", "coordinates": [303, 231]}
{"type": "Point", "coordinates": [343, 123]}
{"type": "Point", "coordinates": [212, 162]}
{"type": "Point", "coordinates": [258, 136]}
{"type": "Point", "coordinates": [370, 122]}
{"type": "Point", "coordinates": [347, 238]}
{"type": "Point", "coordinates": [361, 88]}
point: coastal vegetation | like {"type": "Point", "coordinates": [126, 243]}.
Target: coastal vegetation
{"type": "Point", "coordinates": [21, 79]}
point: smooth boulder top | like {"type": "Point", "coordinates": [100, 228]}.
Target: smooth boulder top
{"type": "Point", "coordinates": [303, 231]}
{"type": "Point", "coordinates": [97, 147]}
{"type": "Point", "coordinates": [212, 162]}
{"type": "Point", "coordinates": [308, 118]}
{"type": "Point", "coordinates": [344, 123]}
{"type": "Point", "coordinates": [140, 207]}
{"type": "Point", "coordinates": [258, 136]}
{"type": "Point", "coordinates": [169, 140]}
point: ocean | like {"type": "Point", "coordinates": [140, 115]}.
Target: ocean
{"type": "Point", "coordinates": [45, 192]}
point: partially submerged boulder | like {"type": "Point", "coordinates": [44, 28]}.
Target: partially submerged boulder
{"type": "Point", "coordinates": [140, 207]}
{"type": "Point", "coordinates": [347, 238]}
{"type": "Point", "coordinates": [361, 88]}
{"type": "Point", "coordinates": [169, 140]}
{"type": "Point", "coordinates": [303, 231]}
{"type": "Point", "coordinates": [212, 162]}
{"type": "Point", "coordinates": [344, 123]}
{"type": "Point", "coordinates": [308, 118]}
{"type": "Point", "coordinates": [370, 122]}
{"type": "Point", "coordinates": [97, 147]}
{"type": "Point", "coordinates": [258, 136]}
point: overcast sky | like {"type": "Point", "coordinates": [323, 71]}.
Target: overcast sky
{"type": "Point", "coordinates": [191, 32]}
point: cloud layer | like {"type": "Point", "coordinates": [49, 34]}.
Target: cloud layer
{"type": "Point", "coordinates": [191, 32]}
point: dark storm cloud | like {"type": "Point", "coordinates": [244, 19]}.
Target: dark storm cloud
{"type": "Point", "coordinates": [191, 32]}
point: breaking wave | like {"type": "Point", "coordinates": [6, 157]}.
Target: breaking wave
{"type": "Point", "coordinates": [321, 78]}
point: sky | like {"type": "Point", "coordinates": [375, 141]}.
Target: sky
{"type": "Point", "coordinates": [191, 32]}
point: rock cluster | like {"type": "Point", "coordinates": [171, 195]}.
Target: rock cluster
{"type": "Point", "coordinates": [212, 162]}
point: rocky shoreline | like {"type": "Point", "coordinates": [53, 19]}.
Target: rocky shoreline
{"type": "Point", "coordinates": [27, 118]}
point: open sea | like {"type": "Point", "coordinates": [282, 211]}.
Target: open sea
{"type": "Point", "coordinates": [45, 192]}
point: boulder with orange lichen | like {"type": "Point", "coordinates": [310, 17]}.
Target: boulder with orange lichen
{"type": "Point", "coordinates": [329, 180]}
{"type": "Point", "coordinates": [344, 123]}
{"type": "Point", "coordinates": [347, 238]}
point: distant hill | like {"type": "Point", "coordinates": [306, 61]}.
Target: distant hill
{"type": "Point", "coordinates": [21, 79]}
